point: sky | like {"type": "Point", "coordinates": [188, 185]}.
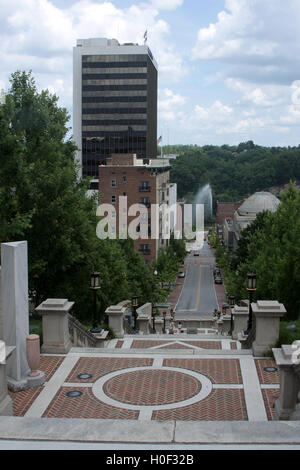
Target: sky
{"type": "Point", "coordinates": [229, 70]}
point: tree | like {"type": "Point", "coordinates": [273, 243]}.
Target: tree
{"type": "Point", "coordinates": [270, 246]}
{"type": "Point", "coordinates": [43, 202]}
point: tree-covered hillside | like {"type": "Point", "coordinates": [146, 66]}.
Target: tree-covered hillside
{"type": "Point", "coordinates": [233, 172]}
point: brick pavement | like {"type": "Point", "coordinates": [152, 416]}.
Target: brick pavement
{"type": "Point", "coordinates": [164, 385]}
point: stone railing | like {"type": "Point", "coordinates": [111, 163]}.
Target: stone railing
{"type": "Point", "coordinates": [61, 330]}
{"type": "Point", "coordinates": [81, 337]}
{"type": "Point", "coordinates": [265, 327]}
{"type": "Point", "coordinates": [6, 406]}
{"type": "Point", "coordinates": [1, 321]}
{"type": "Point", "coordinates": [287, 406]}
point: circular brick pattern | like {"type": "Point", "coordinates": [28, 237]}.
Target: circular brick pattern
{"type": "Point", "coordinates": [152, 387]}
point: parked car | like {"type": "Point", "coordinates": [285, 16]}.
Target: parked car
{"type": "Point", "coordinates": [196, 253]}
{"type": "Point", "coordinates": [217, 272]}
{"type": "Point", "coordinates": [181, 274]}
{"type": "Point", "coordinates": [218, 280]}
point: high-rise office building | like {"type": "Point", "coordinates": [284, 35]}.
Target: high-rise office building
{"type": "Point", "coordinates": [114, 102]}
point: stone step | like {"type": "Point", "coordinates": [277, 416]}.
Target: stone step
{"type": "Point", "coordinates": [162, 352]}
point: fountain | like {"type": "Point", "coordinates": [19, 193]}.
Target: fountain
{"type": "Point", "coordinates": [204, 196]}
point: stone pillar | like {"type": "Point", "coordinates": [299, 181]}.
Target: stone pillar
{"type": "Point", "coordinates": [143, 325]}
{"type": "Point", "coordinates": [6, 407]}
{"type": "Point", "coordinates": [56, 335]}
{"type": "Point", "coordinates": [116, 315]}
{"type": "Point", "coordinates": [267, 318]}
{"type": "Point", "coordinates": [15, 308]}
{"type": "Point", "coordinates": [220, 325]}
{"type": "Point", "coordinates": [144, 317]}
{"type": "Point", "coordinates": [287, 406]}
{"type": "Point", "coordinates": [240, 320]}
{"type": "Point", "coordinates": [226, 324]}
{"type": "Point", "coordinates": [159, 324]}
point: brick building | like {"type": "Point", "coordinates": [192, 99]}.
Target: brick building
{"type": "Point", "coordinates": [143, 182]}
{"type": "Point", "coordinates": [114, 102]}
{"type": "Point", "coordinates": [225, 211]}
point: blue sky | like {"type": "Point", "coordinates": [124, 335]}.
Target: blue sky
{"type": "Point", "coordinates": [229, 70]}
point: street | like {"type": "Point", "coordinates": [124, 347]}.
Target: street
{"type": "Point", "coordinates": [198, 295]}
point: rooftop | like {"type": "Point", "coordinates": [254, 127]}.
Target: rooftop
{"type": "Point", "coordinates": [258, 202]}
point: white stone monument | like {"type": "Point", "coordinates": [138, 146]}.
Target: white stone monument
{"type": "Point", "coordinates": [15, 311]}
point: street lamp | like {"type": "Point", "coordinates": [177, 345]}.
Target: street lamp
{"type": "Point", "coordinates": [154, 312]}
{"type": "Point", "coordinates": [164, 315]}
{"type": "Point", "coordinates": [95, 286]}
{"type": "Point", "coordinates": [134, 303]}
{"type": "Point", "coordinates": [251, 288]}
{"type": "Point", "coordinates": [231, 299]}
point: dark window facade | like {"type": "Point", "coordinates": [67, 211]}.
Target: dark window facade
{"type": "Point", "coordinates": [119, 108]}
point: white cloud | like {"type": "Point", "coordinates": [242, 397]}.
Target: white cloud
{"type": "Point", "coordinates": [37, 35]}
{"type": "Point", "coordinates": [258, 40]}
{"type": "Point", "coordinates": [170, 105]}
{"type": "Point", "coordinates": [166, 4]}
{"type": "Point", "coordinates": [262, 95]}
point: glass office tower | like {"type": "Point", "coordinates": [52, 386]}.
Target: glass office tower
{"type": "Point", "coordinates": [115, 102]}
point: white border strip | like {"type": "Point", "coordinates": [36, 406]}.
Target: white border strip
{"type": "Point", "coordinates": [253, 397]}
{"type": "Point", "coordinates": [40, 405]}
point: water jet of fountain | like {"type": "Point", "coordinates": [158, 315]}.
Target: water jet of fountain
{"type": "Point", "coordinates": [204, 196]}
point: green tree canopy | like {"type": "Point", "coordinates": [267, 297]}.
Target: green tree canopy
{"type": "Point", "coordinates": [42, 201]}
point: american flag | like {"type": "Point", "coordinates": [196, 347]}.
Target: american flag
{"type": "Point", "coordinates": [159, 140]}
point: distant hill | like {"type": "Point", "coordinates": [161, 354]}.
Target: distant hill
{"type": "Point", "coordinates": [233, 172]}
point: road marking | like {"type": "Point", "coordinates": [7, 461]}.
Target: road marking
{"type": "Point", "coordinates": [198, 293]}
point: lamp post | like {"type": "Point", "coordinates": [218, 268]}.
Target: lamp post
{"type": "Point", "coordinates": [231, 304]}
{"type": "Point", "coordinates": [251, 288]}
{"type": "Point", "coordinates": [164, 315]}
{"type": "Point", "coordinates": [154, 312]}
{"type": "Point", "coordinates": [134, 303]}
{"type": "Point", "coordinates": [95, 286]}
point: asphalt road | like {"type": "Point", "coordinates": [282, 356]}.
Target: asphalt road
{"type": "Point", "coordinates": [198, 295]}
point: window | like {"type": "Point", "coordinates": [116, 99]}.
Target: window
{"type": "Point", "coordinates": [113, 183]}
{"type": "Point", "coordinates": [144, 249]}
{"type": "Point", "coordinates": [113, 198]}
{"type": "Point", "coordinates": [144, 186]}
{"type": "Point", "coordinates": [145, 201]}
{"type": "Point", "coordinates": [124, 179]}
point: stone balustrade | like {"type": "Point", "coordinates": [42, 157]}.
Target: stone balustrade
{"type": "Point", "coordinates": [287, 406]}
{"type": "Point", "coordinates": [81, 337]}
{"type": "Point", "coordinates": [6, 408]}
